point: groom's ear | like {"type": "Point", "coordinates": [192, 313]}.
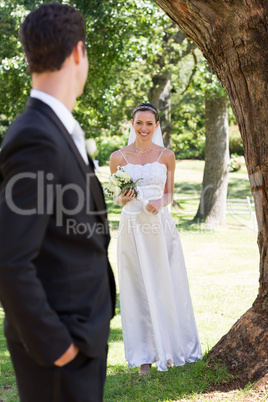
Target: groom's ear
{"type": "Point", "coordinates": [78, 52]}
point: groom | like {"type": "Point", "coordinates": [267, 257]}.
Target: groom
{"type": "Point", "coordinates": [56, 284]}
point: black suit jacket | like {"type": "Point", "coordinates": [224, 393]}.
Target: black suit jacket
{"type": "Point", "coordinates": [56, 283]}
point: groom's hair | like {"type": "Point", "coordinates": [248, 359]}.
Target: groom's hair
{"type": "Point", "coordinates": [49, 34]}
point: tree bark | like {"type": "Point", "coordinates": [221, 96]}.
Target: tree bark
{"type": "Point", "coordinates": [160, 96]}
{"type": "Point", "coordinates": [215, 180]}
{"type": "Point", "coordinates": [165, 110]}
{"type": "Point", "coordinates": [232, 35]}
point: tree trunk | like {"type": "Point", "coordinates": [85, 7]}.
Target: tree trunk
{"type": "Point", "coordinates": [215, 179]}
{"type": "Point", "coordinates": [165, 111]}
{"type": "Point", "coordinates": [160, 93]}
{"type": "Point", "coordinates": [232, 35]}
{"type": "Point", "coordinates": [160, 97]}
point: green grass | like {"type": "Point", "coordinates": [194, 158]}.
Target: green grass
{"type": "Point", "coordinates": [222, 269]}
{"type": "Point", "coordinates": [124, 385]}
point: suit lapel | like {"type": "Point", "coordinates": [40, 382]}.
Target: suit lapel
{"type": "Point", "coordinates": [87, 170]}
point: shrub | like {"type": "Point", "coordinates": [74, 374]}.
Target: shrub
{"type": "Point", "coordinates": [107, 144]}
{"type": "Point", "coordinates": [189, 145]}
{"type": "Point", "coordinates": [235, 141]}
{"type": "Point", "coordinates": [236, 162]}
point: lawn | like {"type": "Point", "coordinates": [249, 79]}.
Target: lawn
{"type": "Point", "coordinates": [223, 274]}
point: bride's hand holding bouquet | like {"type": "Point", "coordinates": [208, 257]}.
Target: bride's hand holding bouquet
{"type": "Point", "coordinates": [121, 187]}
{"type": "Point", "coordinates": [125, 197]}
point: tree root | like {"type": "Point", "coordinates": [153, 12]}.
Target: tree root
{"type": "Point", "coordinates": [244, 349]}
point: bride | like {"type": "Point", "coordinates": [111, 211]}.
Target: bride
{"type": "Point", "coordinates": [157, 316]}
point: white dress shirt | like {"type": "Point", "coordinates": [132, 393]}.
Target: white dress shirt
{"type": "Point", "coordinates": [65, 117]}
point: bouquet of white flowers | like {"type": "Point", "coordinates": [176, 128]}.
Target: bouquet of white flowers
{"type": "Point", "coordinates": [119, 182]}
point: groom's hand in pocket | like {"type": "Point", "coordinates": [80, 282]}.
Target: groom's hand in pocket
{"type": "Point", "coordinates": [68, 356]}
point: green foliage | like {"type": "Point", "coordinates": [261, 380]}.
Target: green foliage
{"type": "Point", "coordinates": [123, 43]}
{"type": "Point", "coordinates": [107, 144]}
{"type": "Point", "coordinates": [129, 44]}
{"type": "Point", "coordinates": [189, 145]}
{"type": "Point", "coordinates": [208, 82]}
{"type": "Point", "coordinates": [188, 111]}
{"type": "Point", "coordinates": [14, 78]}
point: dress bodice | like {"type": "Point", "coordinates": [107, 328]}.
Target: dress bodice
{"type": "Point", "coordinates": [151, 185]}
{"type": "Point", "coordinates": [154, 173]}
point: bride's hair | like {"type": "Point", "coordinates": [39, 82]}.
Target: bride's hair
{"type": "Point", "coordinates": [143, 107]}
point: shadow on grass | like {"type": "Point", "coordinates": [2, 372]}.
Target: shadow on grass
{"type": "Point", "coordinates": [124, 384]}
{"type": "Point", "coordinates": [185, 223]}
{"type": "Point", "coordinates": [238, 188]}
{"type": "Point", "coordinates": [117, 305]}
{"type": "Point", "coordinates": [187, 189]}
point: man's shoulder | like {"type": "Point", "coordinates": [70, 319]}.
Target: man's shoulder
{"type": "Point", "coordinates": [36, 113]}
{"type": "Point", "coordinates": [32, 136]}
{"type": "Point", "coordinates": [32, 122]}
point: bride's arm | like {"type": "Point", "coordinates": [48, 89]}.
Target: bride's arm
{"type": "Point", "coordinates": [116, 159]}
{"type": "Point", "coordinates": [170, 162]}
{"type": "Point", "coordinates": [168, 159]}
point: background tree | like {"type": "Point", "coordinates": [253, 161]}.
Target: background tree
{"type": "Point", "coordinates": [212, 206]}
{"type": "Point", "coordinates": [233, 38]}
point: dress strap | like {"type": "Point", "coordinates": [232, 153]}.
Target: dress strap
{"type": "Point", "coordinates": [123, 155]}
{"type": "Point", "coordinates": [161, 154]}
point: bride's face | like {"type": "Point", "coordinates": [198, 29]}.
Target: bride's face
{"type": "Point", "coordinates": [144, 125]}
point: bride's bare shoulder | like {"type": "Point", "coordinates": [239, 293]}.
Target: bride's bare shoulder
{"type": "Point", "coordinates": [169, 158]}
{"type": "Point", "coordinates": [117, 158]}
{"type": "Point", "coordinates": [169, 153]}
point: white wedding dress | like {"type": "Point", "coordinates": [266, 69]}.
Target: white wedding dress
{"type": "Point", "coordinates": [156, 309]}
